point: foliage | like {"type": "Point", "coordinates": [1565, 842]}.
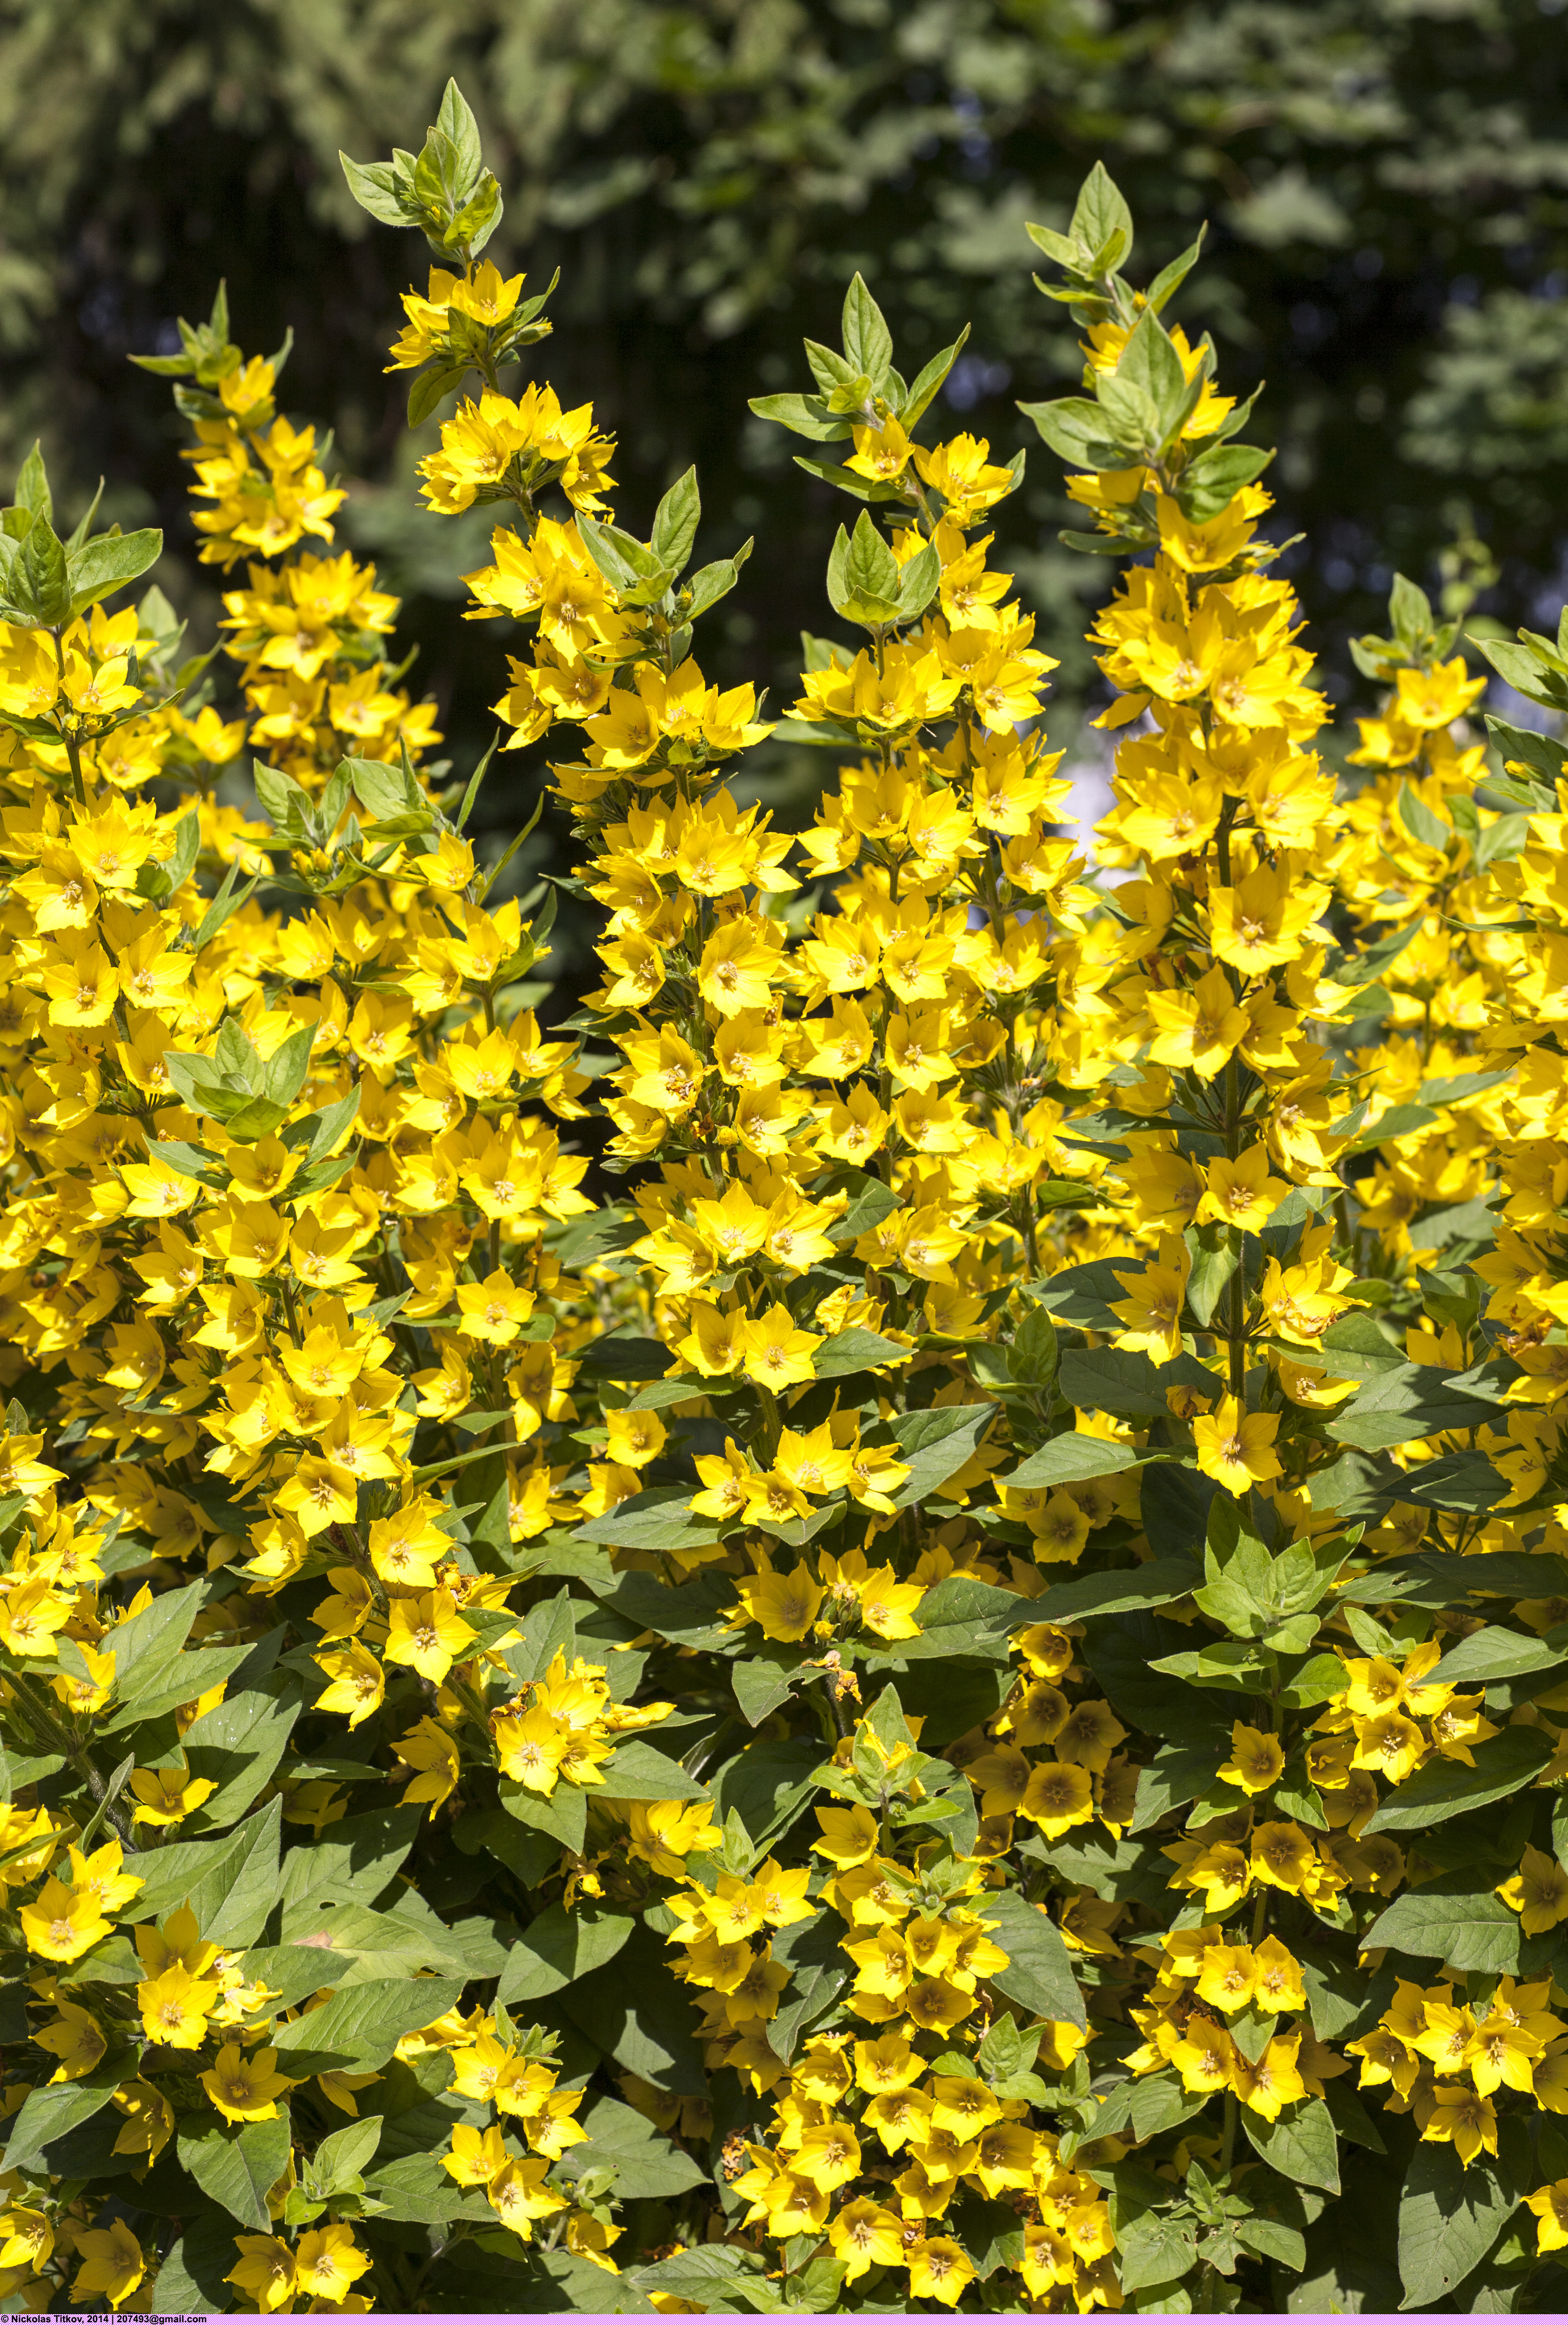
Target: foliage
{"type": "Point", "coordinates": [885, 1708]}
{"type": "Point", "coordinates": [1384, 187]}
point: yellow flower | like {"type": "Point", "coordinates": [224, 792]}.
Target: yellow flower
{"type": "Point", "coordinates": [265, 2269]}
{"type": "Point", "coordinates": [494, 1310]}
{"type": "Point", "coordinates": [519, 2195]}
{"type": "Point", "coordinates": [432, 1753]}
{"type": "Point", "coordinates": [1550, 2206]}
{"type": "Point", "coordinates": [428, 1634]}
{"type": "Point", "coordinates": [357, 1682]}
{"type": "Point", "coordinates": [166, 1796]}
{"type": "Point", "coordinates": [664, 1833]}
{"type": "Point", "coordinates": [112, 2264]}
{"type": "Point", "coordinates": [1058, 1795]}
{"type": "Point", "coordinates": [150, 2121]}
{"type": "Point", "coordinates": [1235, 1449]}
{"type": "Point", "coordinates": [1271, 2081]}
{"type": "Point", "coordinates": [26, 2240]}
{"type": "Point", "coordinates": [850, 1835]}
{"type": "Point", "coordinates": [1256, 1759]}
{"type": "Point", "coordinates": [1466, 2119]}
{"type": "Point", "coordinates": [244, 2087]}
{"type": "Point", "coordinates": [327, 2262]}
{"type": "Point", "coordinates": [777, 1353]}
{"type": "Point", "coordinates": [785, 1606]}
{"type": "Point", "coordinates": [939, 2270]}
{"type": "Point", "coordinates": [1537, 1891]}
{"type": "Point", "coordinates": [1281, 1856]}
{"type": "Point", "coordinates": [62, 1923]}
{"type": "Point", "coordinates": [175, 2008]}
{"type": "Point", "coordinates": [1277, 1983]}
{"type": "Point", "coordinates": [1205, 2058]}
{"type": "Point", "coordinates": [475, 2155]}
{"type": "Point", "coordinates": [1228, 1976]}
{"type": "Point", "coordinates": [76, 2040]}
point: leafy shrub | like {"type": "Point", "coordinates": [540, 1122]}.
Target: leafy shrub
{"type": "Point", "coordinates": [953, 1700]}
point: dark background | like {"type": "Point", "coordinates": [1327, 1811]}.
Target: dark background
{"type": "Point", "coordinates": [1386, 183]}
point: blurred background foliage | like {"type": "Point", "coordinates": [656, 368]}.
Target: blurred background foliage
{"type": "Point", "coordinates": [1386, 183]}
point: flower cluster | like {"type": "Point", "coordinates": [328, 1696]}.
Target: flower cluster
{"type": "Point", "coordinates": [965, 1605]}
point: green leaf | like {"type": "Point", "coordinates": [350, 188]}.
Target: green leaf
{"type": "Point", "coordinates": [1176, 1775]}
{"type": "Point", "coordinates": [1497, 1652]}
{"type": "Point", "coordinates": [1274, 2240]}
{"type": "Point", "coordinates": [284, 800]}
{"type": "Point", "coordinates": [1150, 2105]}
{"type": "Point", "coordinates": [1451, 2215]}
{"type": "Point", "coordinates": [236, 2169]}
{"type": "Point", "coordinates": [807, 416]}
{"type": "Point", "coordinates": [559, 1946]}
{"type": "Point", "coordinates": [428, 390]}
{"type": "Point", "coordinates": [102, 566]}
{"type": "Point", "coordinates": [457, 124]}
{"type": "Point", "coordinates": [928, 380]}
{"type": "Point", "coordinates": [1214, 1249]}
{"type": "Point", "coordinates": [857, 1350]}
{"type": "Point", "coordinates": [1403, 1403]}
{"type": "Point", "coordinates": [1126, 1382]}
{"type": "Point", "coordinates": [1155, 1584]}
{"type": "Point", "coordinates": [1526, 670]}
{"type": "Point", "coordinates": [761, 1682]}
{"type": "Point", "coordinates": [415, 2187]}
{"type": "Point", "coordinates": [1103, 224]}
{"type": "Point", "coordinates": [1210, 483]}
{"type": "Point", "coordinates": [1120, 1651]}
{"type": "Point", "coordinates": [959, 1616]}
{"type": "Point", "coordinates": [1421, 822]}
{"type": "Point", "coordinates": [870, 1202]}
{"type": "Point", "coordinates": [1301, 2143]}
{"type": "Point", "coordinates": [294, 1971]}
{"type": "Point", "coordinates": [362, 2025]}
{"type": "Point", "coordinates": [376, 187]}
{"type": "Point", "coordinates": [1453, 1920]}
{"type": "Point", "coordinates": [766, 1785]}
{"type": "Point", "coordinates": [341, 2159]}
{"type": "Point", "coordinates": [675, 522]}
{"type": "Point", "coordinates": [1079, 430]}
{"type": "Point", "coordinates": [1072, 1457]}
{"type": "Point", "coordinates": [39, 578]}
{"type": "Point", "coordinates": [161, 881]}
{"type": "Point", "coordinates": [238, 1747]}
{"type": "Point", "coordinates": [867, 341]}
{"type": "Point", "coordinates": [52, 2110]}
{"type": "Point", "coordinates": [936, 1444]}
{"type": "Point", "coordinates": [564, 1814]}
{"type": "Point", "coordinates": [689, 1615]}
{"type": "Point", "coordinates": [229, 1883]}
{"type": "Point", "coordinates": [1443, 1578]}
{"type": "Point", "coordinates": [1039, 1972]}
{"type": "Point", "coordinates": [158, 1687]}
{"type": "Point", "coordinates": [633, 2009]}
{"type": "Point", "coordinates": [32, 493]}
{"type": "Point", "coordinates": [716, 2278]}
{"type": "Point", "coordinates": [1444, 1788]}
{"type": "Point", "coordinates": [656, 1520]}
{"type": "Point", "coordinates": [636, 1772]}
{"type": "Point", "coordinates": [820, 1971]}
{"type": "Point", "coordinates": [1150, 368]}
{"type": "Point", "coordinates": [354, 1861]}
{"type": "Point", "coordinates": [223, 905]}
{"type": "Point", "coordinates": [647, 2166]}
{"type": "Point", "coordinates": [1151, 2250]}
{"type": "Point", "coordinates": [159, 1630]}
